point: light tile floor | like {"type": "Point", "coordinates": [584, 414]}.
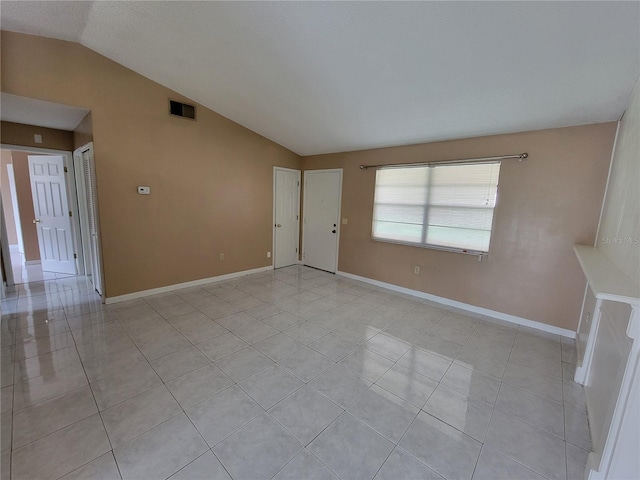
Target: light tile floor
{"type": "Point", "coordinates": [23, 273]}
{"type": "Point", "coordinates": [290, 374]}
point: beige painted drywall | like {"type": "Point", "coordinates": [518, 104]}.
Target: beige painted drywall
{"type": "Point", "coordinates": [25, 205]}
{"type": "Point", "coordinates": [211, 180]}
{"type": "Point", "coordinates": [212, 192]}
{"type": "Point", "coordinates": [545, 205]}
{"type": "Point", "coordinates": [7, 204]}
{"type": "Point", "coordinates": [23, 135]}
{"type": "Point", "coordinates": [83, 133]}
{"type": "Point", "coordinates": [619, 236]}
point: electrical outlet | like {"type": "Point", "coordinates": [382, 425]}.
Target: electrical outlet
{"type": "Point", "coordinates": [268, 254]}
{"type": "Point", "coordinates": [416, 270]}
{"type": "Point", "coordinates": [222, 256]}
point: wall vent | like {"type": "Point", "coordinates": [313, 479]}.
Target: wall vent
{"type": "Point", "coordinates": [182, 109]}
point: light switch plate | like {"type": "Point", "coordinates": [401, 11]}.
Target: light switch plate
{"type": "Point", "coordinates": [144, 190]}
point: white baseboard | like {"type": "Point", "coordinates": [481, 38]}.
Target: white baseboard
{"type": "Point", "coordinates": [465, 306]}
{"type": "Point", "coordinates": [32, 262]}
{"type": "Point", "coordinates": [179, 286]}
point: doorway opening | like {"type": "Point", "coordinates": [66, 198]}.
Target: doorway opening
{"type": "Point", "coordinates": [41, 213]}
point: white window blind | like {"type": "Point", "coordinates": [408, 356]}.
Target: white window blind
{"type": "Point", "coordinates": [449, 206]}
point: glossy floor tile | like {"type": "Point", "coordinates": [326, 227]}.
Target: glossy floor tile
{"type": "Point", "coordinates": [448, 451]}
{"type": "Point", "coordinates": [351, 449]}
{"type": "Point", "coordinates": [305, 465]}
{"type": "Point", "coordinates": [401, 464]}
{"type": "Point", "coordinates": [161, 451]}
{"type": "Point", "coordinates": [258, 450]}
{"type": "Point", "coordinates": [289, 374]}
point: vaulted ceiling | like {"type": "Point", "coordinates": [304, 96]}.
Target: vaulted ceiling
{"type": "Point", "coordinates": [320, 77]}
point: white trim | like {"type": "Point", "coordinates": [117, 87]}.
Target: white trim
{"type": "Point", "coordinates": [581, 374]}
{"type": "Point", "coordinates": [23, 148]}
{"type": "Point", "coordinates": [32, 262]}
{"type": "Point", "coordinates": [339, 220]}
{"type": "Point", "coordinates": [465, 306]}
{"type": "Point", "coordinates": [178, 286]}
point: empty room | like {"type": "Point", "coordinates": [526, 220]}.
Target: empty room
{"type": "Point", "coordinates": [320, 240]}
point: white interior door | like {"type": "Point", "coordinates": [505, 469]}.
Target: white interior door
{"type": "Point", "coordinates": [322, 197]}
{"type": "Point", "coordinates": [51, 208]}
{"type": "Point", "coordinates": [286, 225]}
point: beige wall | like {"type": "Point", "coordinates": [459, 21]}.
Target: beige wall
{"type": "Point", "coordinates": [20, 134]}
{"type": "Point", "coordinates": [211, 184]}
{"type": "Point", "coordinates": [25, 205]}
{"type": "Point", "coordinates": [7, 204]}
{"type": "Point", "coordinates": [83, 133]}
{"type": "Point", "coordinates": [545, 205]}
{"type": "Point", "coordinates": [211, 180]}
{"type": "Point", "coordinates": [619, 236]}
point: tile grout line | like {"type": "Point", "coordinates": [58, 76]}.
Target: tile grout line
{"type": "Point", "coordinates": [304, 383]}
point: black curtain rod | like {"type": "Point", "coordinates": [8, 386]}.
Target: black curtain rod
{"type": "Point", "coordinates": [520, 157]}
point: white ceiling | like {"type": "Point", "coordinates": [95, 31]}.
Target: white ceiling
{"type": "Point", "coordinates": [39, 113]}
{"type": "Point", "coordinates": [321, 77]}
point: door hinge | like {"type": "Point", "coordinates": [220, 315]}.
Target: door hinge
{"type": "Point", "coordinates": [297, 217]}
{"type": "Point", "coordinates": [75, 255]}
{"type": "Point", "coordinates": [65, 170]}
{"type": "Point", "coordinates": [70, 214]}
{"type": "Point", "coordinates": [298, 183]}
{"type": "Point", "coordinates": [296, 250]}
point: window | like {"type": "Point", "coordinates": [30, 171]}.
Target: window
{"type": "Point", "coordinates": [448, 207]}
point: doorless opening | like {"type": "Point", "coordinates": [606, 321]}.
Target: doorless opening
{"type": "Point", "coordinates": [50, 182]}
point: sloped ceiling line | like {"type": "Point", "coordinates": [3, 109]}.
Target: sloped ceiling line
{"type": "Point", "coordinates": [323, 77]}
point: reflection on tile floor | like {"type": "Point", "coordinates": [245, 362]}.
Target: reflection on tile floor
{"type": "Point", "coordinates": [23, 273]}
{"type": "Point", "coordinates": [293, 373]}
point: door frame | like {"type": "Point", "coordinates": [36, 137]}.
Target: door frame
{"type": "Point", "coordinates": [275, 191]}
{"type": "Point", "coordinates": [16, 208]}
{"type": "Point", "coordinates": [84, 208]}
{"type": "Point", "coordinates": [6, 255]}
{"type": "Point", "coordinates": [304, 210]}
{"type": "Point", "coordinates": [72, 196]}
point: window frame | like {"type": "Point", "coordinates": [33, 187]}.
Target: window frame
{"type": "Point", "coordinates": [427, 206]}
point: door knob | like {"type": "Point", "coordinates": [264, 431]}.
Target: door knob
{"type": "Point", "coordinates": [278, 225]}
{"type": "Point", "coordinates": [36, 220]}
{"type": "Point", "coordinates": [333, 231]}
